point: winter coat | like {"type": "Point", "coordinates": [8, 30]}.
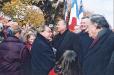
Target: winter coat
{"type": "Point", "coordinates": [43, 57]}
{"type": "Point", "coordinates": [13, 56]}
{"type": "Point", "coordinates": [98, 58]}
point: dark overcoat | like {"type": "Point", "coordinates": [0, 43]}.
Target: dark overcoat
{"type": "Point", "coordinates": [12, 57]}
{"type": "Point", "coordinates": [67, 41]}
{"type": "Point", "coordinates": [43, 57]}
{"type": "Point", "coordinates": [97, 60]}
{"type": "Point", "coordinates": [85, 43]}
{"type": "Point", "coordinates": [110, 68]}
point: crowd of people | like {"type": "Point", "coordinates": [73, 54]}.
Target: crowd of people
{"type": "Point", "coordinates": [25, 50]}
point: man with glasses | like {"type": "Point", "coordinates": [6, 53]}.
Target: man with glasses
{"type": "Point", "coordinates": [42, 55]}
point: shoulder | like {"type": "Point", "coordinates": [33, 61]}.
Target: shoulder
{"type": "Point", "coordinates": [110, 39]}
{"type": "Point", "coordinates": [72, 33]}
{"type": "Point", "coordinates": [112, 34]}
{"type": "Point", "coordinates": [39, 41]}
{"type": "Point", "coordinates": [39, 44]}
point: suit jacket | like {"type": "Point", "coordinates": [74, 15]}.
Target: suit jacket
{"type": "Point", "coordinates": [98, 56]}
{"type": "Point", "coordinates": [43, 58]}
{"type": "Point", "coordinates": [85, 42]}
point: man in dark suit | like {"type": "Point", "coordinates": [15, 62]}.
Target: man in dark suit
{"type": "Point", "coordinates": [43, 58]}
{"type": "Point", "coordinates": [84, 37]}
{"type": "Point", "coordinates": [97, 60]}
{"type": "Point", "coordinates": [66, 40]}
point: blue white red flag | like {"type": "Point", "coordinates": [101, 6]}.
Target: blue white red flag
{"type": "Point", "coordinates": [75, 12]}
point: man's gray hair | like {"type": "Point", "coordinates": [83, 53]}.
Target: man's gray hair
{"type": "Point", "coordinates": [41, 28]}
{"type": "Point", "coordinates": [99, 20]}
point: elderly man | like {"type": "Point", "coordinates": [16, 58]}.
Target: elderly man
{"type": "Point", "coordinates": [97, 60]}
{"type": "Point", "coordinates": [42, 54]}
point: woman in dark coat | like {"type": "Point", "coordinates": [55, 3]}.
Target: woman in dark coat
{"type": "Point", "coordinates": [12, 54]}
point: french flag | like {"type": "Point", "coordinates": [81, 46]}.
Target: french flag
{"type": "Point", "coordinates": [75, 14]}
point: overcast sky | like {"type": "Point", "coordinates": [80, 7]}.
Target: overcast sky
{"type": "Point", "coordinates": [103, 7]}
